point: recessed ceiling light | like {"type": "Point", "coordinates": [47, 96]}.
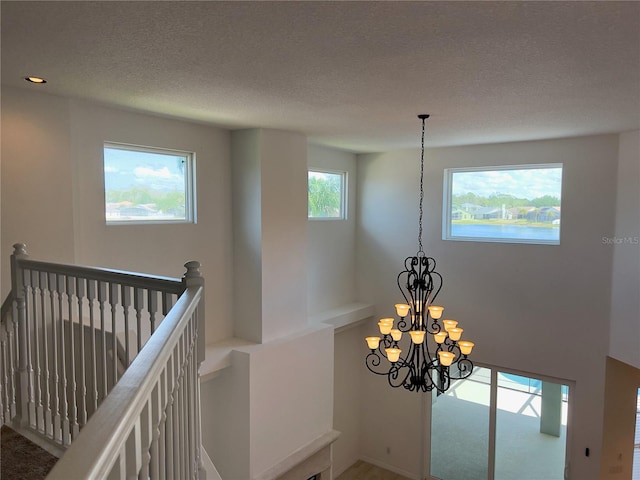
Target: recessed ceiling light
{"type": "Point", "coordinates": [35, 79]}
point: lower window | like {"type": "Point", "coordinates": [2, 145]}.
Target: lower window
{"type": "Point", "coordinates": [500, 426]}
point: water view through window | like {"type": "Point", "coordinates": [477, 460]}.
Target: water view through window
{"type": "Point", "coordinates": [516, 204]}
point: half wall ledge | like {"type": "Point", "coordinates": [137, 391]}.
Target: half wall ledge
{"type": "Point", "coordinates": [344, 317]}
{"type": "Point", "coordinates": [311, 459]}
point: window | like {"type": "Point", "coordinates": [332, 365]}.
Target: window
{"type": "Point", "coordinates": [326, 195]}
{"type": "Point", "coordinates": [148, 185]}
{"type": "Point", "coordinates": [513, 204]}
{"type": "Point", "coordinates": [508, 426]}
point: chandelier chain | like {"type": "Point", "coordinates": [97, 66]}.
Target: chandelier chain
{"type": "Point", "coordinates": [423, 117]}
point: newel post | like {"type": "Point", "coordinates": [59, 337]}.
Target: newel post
{"type": "Point", "coordinates": [193, 278]}
{"type": "Point", "coordinates": [17, 287]}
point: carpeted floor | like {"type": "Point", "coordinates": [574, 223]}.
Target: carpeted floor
{"type": "Point", "coordinates": [22, 459]}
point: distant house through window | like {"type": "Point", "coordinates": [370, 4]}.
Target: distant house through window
{"type": "Point", "coordinates": [148, 185]}
{"type": "Point", "coordinates": [326, 195]}
{"type": "Point", "coordinates": [514, 204]}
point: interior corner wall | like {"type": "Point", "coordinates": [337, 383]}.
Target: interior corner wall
{"type": "Point", "coordinates": [625, 244]}
{"type": "Point", "coordinates": [247, 234]}
{"type": "Point", "coordinates": [331, 284]}
{"type": "Point", "coordinates": [533, 308]}
{"type": "Point", "coordinates": [350, 351]}
{"type": "Point", "coordinates": [620, 411]}
{"type": "Point", "coordinates": [331, 244]}
{"type": "Point", "coordinates": [53, 170]}
{"type": "Point", "coordinates": [283, 157]}
{"type": "Point", "coordinates": [226, 422]}
{"type": "Point", "coordinates": [36, 188]}
{"type": "Point", "coordinates": [270, 233]}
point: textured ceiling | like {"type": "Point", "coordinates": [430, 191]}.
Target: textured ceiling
{"type": "Point", "coordinates": [348, 74]}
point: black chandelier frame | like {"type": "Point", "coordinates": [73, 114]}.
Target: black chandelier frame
{"type": "Point", "coordinates": [419, 368]}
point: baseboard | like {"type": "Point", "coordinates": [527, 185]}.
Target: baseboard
{"type": "Point", "coordinates": [389, 467]}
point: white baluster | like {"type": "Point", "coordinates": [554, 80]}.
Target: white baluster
{"type": "Point", "coordinates": [102, 298]}
{"type": "Point", "coordinates": [138, 305]}
{"type": "Point", "coordinates": [66, 438]}
{"type": "Point", "coordinates": [4, 398]}
{"type": "Point", "coordinates": [146, 426]}
{"type": "Point", "coordinates": [48, 322]}
{"type": "Point", "coordinates": [38, 421]}
{"type": "Point", "coordinates": [42, 361]}
{"type": "Point", "coordinates": [12, 324]}
{"type": "Point", "coordinates": [80, 293]}
{"type": "Point", "coordinates": [170, 434]}
{"type": "Point", "coordinates": [75, 428]}
{"type": "Point", "coordinates": [113, 303]}
{"type": "Point", "coordinates": [152, 307]}
{"type": "Point", "coordinates": [91, 297]}
{"type": "Point", "coordinates": [156, 418]}
{"type": "Point", "coordinates": [133, 451]}
{"type": "Point", "coordinates": [163, 425]}
{"type": "Point", "coordinates": [126, 304]}
{"type": "Point", "coordinates": [56, 433]}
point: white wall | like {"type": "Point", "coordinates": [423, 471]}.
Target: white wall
{"type": "Point", "coordinates": [538, 309]}
{"type": "Point", "coordinates": [625, 243]}
{"type": "Point", "coordinates": [53, 193]}
{"type": "Point", "coordinates": [37, 186]}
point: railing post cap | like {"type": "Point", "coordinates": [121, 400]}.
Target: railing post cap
{"type": "Point", "coordinates": [20, 249]}
{"type": "Point", "coordinates": [193, 269]}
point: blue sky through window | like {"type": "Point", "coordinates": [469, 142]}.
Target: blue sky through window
{"type": "Point", "coordinates": [124, 169]}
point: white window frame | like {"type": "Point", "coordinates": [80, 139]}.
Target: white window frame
{"type": "Point", "coordinates": [447, 203]}
{"type": "Point", "coordinates": [343, 193]}
{"type": "Point", "coordinates": [189, 187]}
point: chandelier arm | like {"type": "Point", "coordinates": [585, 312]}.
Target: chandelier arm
{"type": "Point", "coordinates": [373, 360]}
{"type": "Point", "coordinates": [395, 373]}
{"type": "Point", "coordinates": [465, 367]}
{"type": "Point", "coordinates": [435, 294]}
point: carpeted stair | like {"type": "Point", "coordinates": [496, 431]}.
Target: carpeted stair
{"type": "Point", "coordinates": [22, 459]}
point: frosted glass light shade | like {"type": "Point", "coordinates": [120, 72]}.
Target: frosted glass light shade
{"type": "Point", "coordinates": [435, 311]}
{"type": "Point", "coordinates": [465, 347]}
{"type": "Point", "coordinates": [446, 358]}
{"type": "Point", "coordinates": [385, 327]}
{"type": "Point", "coordinates": [455, 333]}
{"type": "Point", "coordinates": [402, 309]}
{"type": "Point", "coordinates": [373, 342]}
{"type": "Point", "coordinates": [449, 324]}
{"type": "Point", "coordinates": [393, 354]}
{"type": "Point", "coordinates": [417, 336]}
{"type": "Point", "coordinates": [396, 334]}
{"type": "Point", "coordinates": [440, 337]}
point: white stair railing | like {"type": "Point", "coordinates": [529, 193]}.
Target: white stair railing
{"type": "Point", "coordinates": [68, 336]}
{"type": "Point", "coordinates": [149, 425]}
{"type": "Point", "coordinates": [8, 361]}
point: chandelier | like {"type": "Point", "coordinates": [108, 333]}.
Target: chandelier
{"type": "Point", "coordinates": [419, 366]}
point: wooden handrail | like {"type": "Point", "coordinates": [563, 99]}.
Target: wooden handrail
{"type": "Point", "coordinates": [133, 279]}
